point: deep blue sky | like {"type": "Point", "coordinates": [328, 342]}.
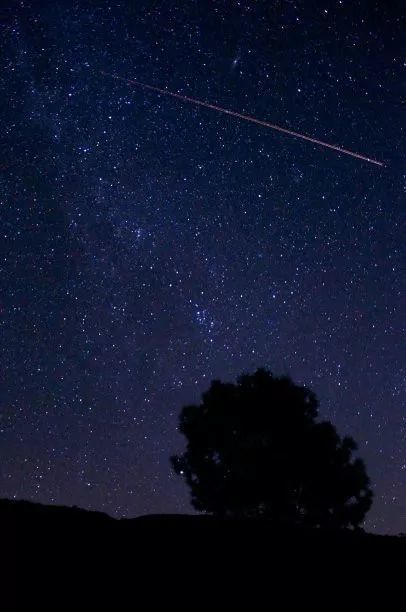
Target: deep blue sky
{"type": "Point", "coordinates": [148, 245]}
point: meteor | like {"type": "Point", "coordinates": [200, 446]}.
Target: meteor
{"type": "Point", "coordinates": [225, 111]}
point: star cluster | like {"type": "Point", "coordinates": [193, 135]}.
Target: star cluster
{"type": "Point", "coordinates": [148, 246]}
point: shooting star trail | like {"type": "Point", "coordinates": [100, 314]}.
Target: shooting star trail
{"type": "Point", "coordinates": [266, 124]}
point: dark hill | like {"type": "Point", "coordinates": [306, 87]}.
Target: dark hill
{"type": "Point", "coordinates": [182, 559]}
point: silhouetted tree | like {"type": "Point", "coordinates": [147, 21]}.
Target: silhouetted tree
{"type": "Point", "coordinates": [255, 449]}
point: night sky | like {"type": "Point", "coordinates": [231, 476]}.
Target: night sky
{"type": "Point", "coordinates": [149, 245]}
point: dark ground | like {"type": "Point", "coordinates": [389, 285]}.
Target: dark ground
{"type": "Point", "coordinates": [66, 556]}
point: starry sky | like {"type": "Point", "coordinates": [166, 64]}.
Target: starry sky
{"type": "Point", "coordinates": [149, 245]}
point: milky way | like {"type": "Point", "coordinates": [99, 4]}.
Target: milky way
{"type": "Point", "coordinates": [148, 246]}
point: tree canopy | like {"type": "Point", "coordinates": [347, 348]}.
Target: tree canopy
{"type": "Point", "coordinates": [257, 449]}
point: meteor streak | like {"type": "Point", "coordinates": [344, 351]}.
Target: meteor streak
{"type": "Point", "coordinates": [266, 124]}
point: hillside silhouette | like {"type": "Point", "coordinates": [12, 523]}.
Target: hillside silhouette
{"type": "Point", "coordinates": [191, 559]}
{"type": "Point", "coordinates": [283, 499]}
